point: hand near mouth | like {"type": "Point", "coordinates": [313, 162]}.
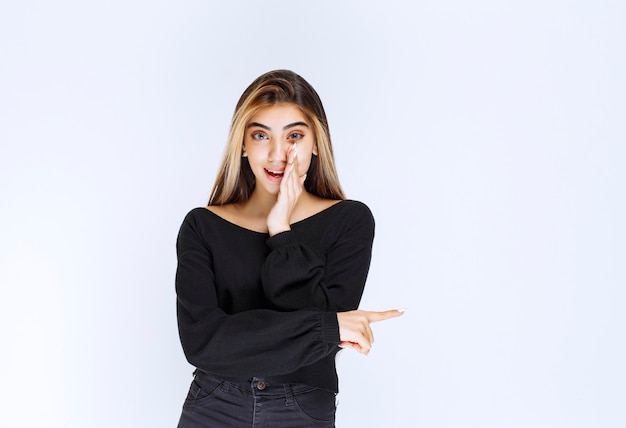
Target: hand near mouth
{"type": "Point", "coordinates": [291, 187]}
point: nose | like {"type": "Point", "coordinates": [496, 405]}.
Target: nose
{"type": "Point", "coordinates": [278, 151]}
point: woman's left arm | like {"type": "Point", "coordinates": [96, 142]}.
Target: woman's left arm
{"type": "Point", "coordinates": [296, 275]}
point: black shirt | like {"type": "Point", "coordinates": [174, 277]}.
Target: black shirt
{"type": "Point", "coordinates": [253, 305]}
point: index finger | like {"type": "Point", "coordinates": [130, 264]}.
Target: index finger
{"type": "Point", "coordinates": [384, 315]}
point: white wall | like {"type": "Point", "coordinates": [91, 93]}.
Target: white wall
{"type": "Point", "coordinates": [487, 137]}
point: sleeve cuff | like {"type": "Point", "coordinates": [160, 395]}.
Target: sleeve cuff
{"type": "Point", "coordinates": [281, 239]}
{"type": "Point", "coordinates": [330, 328]}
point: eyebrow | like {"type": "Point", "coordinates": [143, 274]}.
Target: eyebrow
{"type": "Point", "coordinates": [291, 125]}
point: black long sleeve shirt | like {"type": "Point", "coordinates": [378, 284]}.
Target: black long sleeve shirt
{"type": "Point", "coordinates": [253, 305]}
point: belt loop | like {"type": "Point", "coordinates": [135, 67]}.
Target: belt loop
{"type": "Point", "coordinates": [288, 395]}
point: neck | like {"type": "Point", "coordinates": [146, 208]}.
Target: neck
{"type": "Point", "coordinates": [261, 203]}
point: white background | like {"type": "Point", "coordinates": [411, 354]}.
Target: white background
{"type": "Point", "coordinates": [487, 137]}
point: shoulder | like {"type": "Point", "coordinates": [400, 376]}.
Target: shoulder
{"type": "Point", "coordinates": [354, 211]}
{"type": "Point", "coordinates": [199, 214]}
{"type": "Point", "coordinates": [203, 227]}
{"type": "Point", "coordinates": [357, 207]}
{"type": "Point", "coordinates": [198, 221]}
{"type": "Point", "coordinates": [351, 219]}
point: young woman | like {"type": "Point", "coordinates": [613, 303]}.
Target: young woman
{"type": "Point", "coordinates": [271, 273]}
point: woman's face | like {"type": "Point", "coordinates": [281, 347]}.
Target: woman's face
{"type": "Point", "coordinates": [270, 137]}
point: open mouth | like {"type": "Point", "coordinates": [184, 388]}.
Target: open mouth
{"type": "Point", "coordinates": [274, 173]}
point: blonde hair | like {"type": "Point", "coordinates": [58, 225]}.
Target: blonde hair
{"type": "Point", "coordinates": [235, 180]}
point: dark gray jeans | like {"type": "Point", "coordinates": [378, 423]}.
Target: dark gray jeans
{"type": "Point", "coordinates": [212, 402]}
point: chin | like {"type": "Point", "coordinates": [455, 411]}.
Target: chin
{"type": "Point", "coordinates": [271, 188]}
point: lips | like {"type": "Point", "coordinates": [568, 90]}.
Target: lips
{"type": "Point", "coordinates": [274, 174]}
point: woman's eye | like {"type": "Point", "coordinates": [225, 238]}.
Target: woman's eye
{"type": "Point", "coordinates": [295, 136]}
{"type": "Point", "coordinates": [259, 136]}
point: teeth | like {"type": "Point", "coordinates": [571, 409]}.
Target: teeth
{"type": "Point", "coordinates": [275, 172]}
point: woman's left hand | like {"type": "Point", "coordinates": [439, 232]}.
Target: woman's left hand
{"type": "Point", "coordinates": [291, 187]}
{"type": "Point", "coordinates": [355, 330]}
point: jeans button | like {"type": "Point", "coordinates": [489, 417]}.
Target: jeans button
{"type": "Point", "coordinates": [261, 385]}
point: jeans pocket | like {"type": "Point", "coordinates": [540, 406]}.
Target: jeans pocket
{"type": "Point", "coordinates": [202, 388]}
{"type": "Point", "coordinates": [317, 404]}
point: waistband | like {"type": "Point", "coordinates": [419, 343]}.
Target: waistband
{"type": "Point", "coordinates": [321, 374]}
{"type": "Point", "coordinates": [255, 385]}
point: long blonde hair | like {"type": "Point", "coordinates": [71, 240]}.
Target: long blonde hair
{"type": "Point", "coordinates": [235, 180]}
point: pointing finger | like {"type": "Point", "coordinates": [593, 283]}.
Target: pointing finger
{"type": "Point", "coordinates": [384, 315]}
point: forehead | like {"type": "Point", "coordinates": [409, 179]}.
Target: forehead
{"type": "Point", "coordinates": [279, 114]}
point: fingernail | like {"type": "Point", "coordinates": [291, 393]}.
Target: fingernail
{"type": "Point", "coordinates": [401, 310]}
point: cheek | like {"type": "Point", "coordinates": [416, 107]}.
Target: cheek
{"type": "Point", "coordinates": [303, 164]}
{"type": "Point", "coordinates": [256, 167]}
{"type": "Point", "coordinates": [255, 156]}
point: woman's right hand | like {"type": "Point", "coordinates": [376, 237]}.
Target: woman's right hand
{"type": "Point", "coordinates": [291, 187]}
{"type": "Point", "coordinates": [355, 330]}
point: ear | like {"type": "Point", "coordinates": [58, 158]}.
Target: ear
{"type": "Point", "coordinates": [243, 152]}
{"type": "Point", "coordinates": [315, 149]}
